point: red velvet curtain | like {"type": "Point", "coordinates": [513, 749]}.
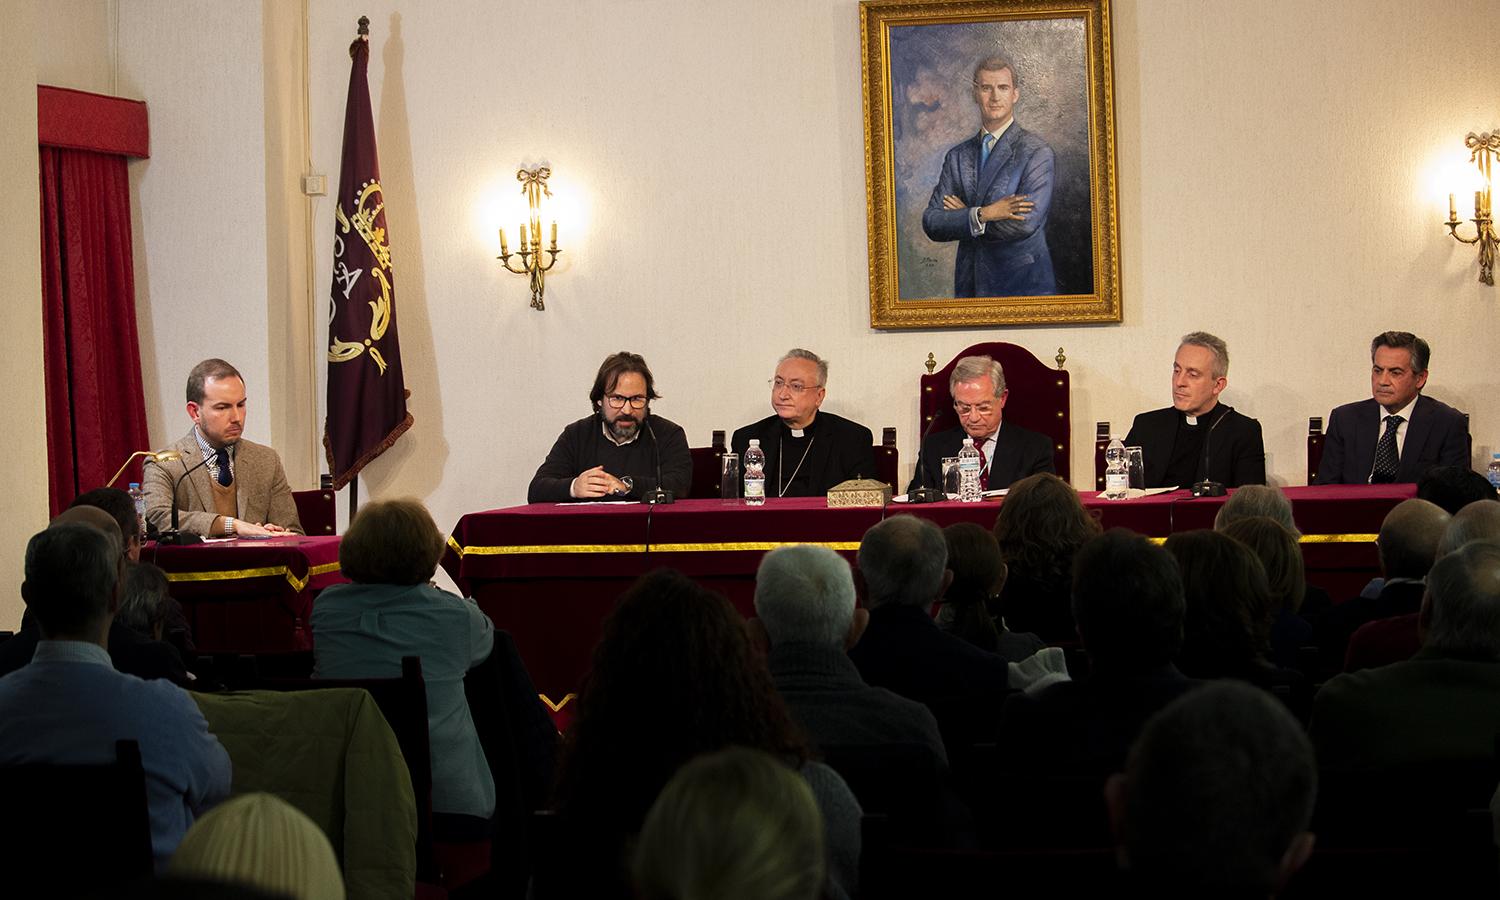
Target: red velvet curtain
{"type": "Point", "coordinates": [96, 411]}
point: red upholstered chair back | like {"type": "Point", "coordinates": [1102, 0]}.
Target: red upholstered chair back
{"type": "Point", "coordinates": [317, 512]}
{"type": "Point", "coordinates": [1314, 447]}
{"type": "Point", "coordinates": [1040, 396]}
{"type": "Point", "coordinates": [887, 460]}
{"type": "Point", "coordinates": [706, 468]}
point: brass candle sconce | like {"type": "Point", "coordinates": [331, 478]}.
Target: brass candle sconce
{"type": "Point", "coordinates": [530, 264]}
{"type": "Point", "coordinates": [1483, 148]}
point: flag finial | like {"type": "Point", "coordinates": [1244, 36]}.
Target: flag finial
{"type": "Point", "coordinates": [364, 25]}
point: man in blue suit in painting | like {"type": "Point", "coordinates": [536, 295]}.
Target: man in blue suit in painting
{"type": "Point", "coordinates": [994, 195]}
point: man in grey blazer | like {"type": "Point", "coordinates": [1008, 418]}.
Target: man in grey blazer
{"type": "Point", "coordinates": [993, 197]}
{"type": "Point", "coordinates": [236, 488]}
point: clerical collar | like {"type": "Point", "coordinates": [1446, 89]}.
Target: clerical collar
{"type": "Point", "coordinates": [1193, 420]}
{"type": "Point", "coordinates": [802, 432]}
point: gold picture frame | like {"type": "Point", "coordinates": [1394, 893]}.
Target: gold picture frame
{"type": "Point", "coordinates": [937, 265]}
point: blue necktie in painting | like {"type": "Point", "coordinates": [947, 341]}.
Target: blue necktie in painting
{"type": "Point", "coordinates": [984, 153]}
{"type": "Point", "coordinates": [221, 460]}
{"type": "Point", "coordinates": [1386, 460]}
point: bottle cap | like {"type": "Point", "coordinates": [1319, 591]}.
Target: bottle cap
{"type": "Point", "coordinates": [755, 442]}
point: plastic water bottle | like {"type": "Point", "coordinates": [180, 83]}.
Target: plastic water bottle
{"type": "Point", "coordinates": [1494, 472]}
{"type": "Point", "coordinates": [1116, 473]}
{"type": "Point", "coordinates": [755, 474]}
{"type": "Point", "coordinates": [139, 496]}
{"type": "Point", "coordinates": [969, 488]}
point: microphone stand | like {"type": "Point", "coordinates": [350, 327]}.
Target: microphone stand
{"type": "Point", "coordinates": [926, 493]}
{"type": "Point", "coordinates": [1208, 487]}
{"type": "Point", "coordinates": [657, 496]}
{"type": "Point", "coordinates": [172, 535]}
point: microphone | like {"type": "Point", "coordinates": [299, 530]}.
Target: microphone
{"type": "Point", "coordinates": [1207, 487]}
{"type": "Point", "coordinates": [657, 496]}
{"type": "Point", "coordinates": [172, 535]}
{"type": "Point", "coordinates": [925, 493]}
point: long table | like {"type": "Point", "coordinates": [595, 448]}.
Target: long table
{"type": "Point", "coordinates": [250, 596]}
{"type": "Point", "coordinates": [550, 573]}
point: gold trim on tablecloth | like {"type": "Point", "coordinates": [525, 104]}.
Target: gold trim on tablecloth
{"type": "Point", "coordinates": [733, 546]}
{"type": "Point", "coordinates": [298, 584]}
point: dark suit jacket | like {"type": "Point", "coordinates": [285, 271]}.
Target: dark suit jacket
{"type": "Point", "coordinates": [1339, 624]}
{"type": "Point", "coordinates": [840, 450]}
{"type": "Point", "coordinates": [1018, 453]}
{"type": "Point", "coordinates": [1011, 258]}
{"type": "Point", "coordinates": [1437, 435]}
{"type": "Point", "coordinates": [1236, 453]}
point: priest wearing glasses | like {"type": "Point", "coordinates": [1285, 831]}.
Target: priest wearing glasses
{"type": "Point", "coordinates": [621, 451]}
{"type": "Point", "coordinates": [1008, 453]}
{"type": "Point", "coordinates": [807, 451]}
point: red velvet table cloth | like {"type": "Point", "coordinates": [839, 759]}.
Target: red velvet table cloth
{"type": "Point", "coordinates": [550, 573]}
{"type": "Point", "coordinates": [250, 596]}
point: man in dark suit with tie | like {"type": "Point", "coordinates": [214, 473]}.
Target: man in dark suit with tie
{"type": "Point", "coordinates": [993, 197]}
{"type": "Point", "coordinates": [1398, 434]}
{"type": "Point", "coordinates": [1007, 453]}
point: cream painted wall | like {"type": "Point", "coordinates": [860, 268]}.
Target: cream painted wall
{"type": "Point", "coordinates": [200, 216]}
{"type": "Point", "coordinates": [1278, 186]}
{"type": "Point", "coordinates": [75, 43]}
{"type": "Point", "coordinates": [20, 318]}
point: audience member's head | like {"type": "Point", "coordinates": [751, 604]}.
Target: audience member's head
{"type": "Point", "coordinates": [391, 542]}
{"type": "Point", "coordinates": [1217, 795]}
{"type": "Point", "coordinates": [1257, 500]}
{"type": "Point", "coordinates": [978, 574]}
{"type": "Point", "coordinates": [121, 508]}
{"type": "Point", "coordinates": [1279, 555]}
{"type": "Point", "coordinates": [72, 580]}
{"type": "Point", "coordinates": [904, 561]}
{"type": "Point", "coordinates": [674, 675]}
{"type": "Point", "coordinates": [805, 595]}
{"type": "Point", "coordinates": [738, 824]}
{"type": "Point", "coordinates": [262, 841]}
{"type": "Point", "coordinates": [1041, 525]}
{"type": "Point", "coordinates": [1227, 625]}
{"type": "Point", "coordinates": [1454, 487]}
{"type": "Point", "coordinates": [1475, 522]}
{"type": "Point", "coordinates": [144, 600]}
{"type": "Point", "coordinates": [1127, 600]}
{"type": "Point", "coordinates": [1409, 538]}
{"type": "Point", "coordinates": [1461, 610]}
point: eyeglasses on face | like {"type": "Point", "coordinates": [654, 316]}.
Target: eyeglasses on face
{"type": "Point", "coordinates": [963, 409]}
{"type": "Point", "coordinates": [618, 402]}
{"type": "Point", "coordinates": [796, 387]}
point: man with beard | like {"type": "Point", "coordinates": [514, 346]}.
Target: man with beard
{"type": "Point", "coordinates": [604, 455]}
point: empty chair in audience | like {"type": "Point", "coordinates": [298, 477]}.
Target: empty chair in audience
{"type": "Point", "coordinates": [738, 824]}
{"type": "Point", "coordinates": [390, 610]}
{"type": "Point", "coordinates": [978, 577]}
{"type": "Point", "coordinates": [674, 675]}
{"type": "Point", "coordinates": [1128, 601]}
{"type": "Point", "coordinates": [261, 841]}
{"type": "Point", "coordinates": [1216, 797]}
{"type": "Point", "coordinates": [1281, 557]}
{"type": "Point", "coordinates": [1041, 525]}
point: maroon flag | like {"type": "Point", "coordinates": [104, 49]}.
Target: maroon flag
{"type": "Point", "coordinates": [366, 392]}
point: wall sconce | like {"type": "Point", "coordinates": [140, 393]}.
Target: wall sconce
{"type": "Point", "coordinates": [1483, 148]}
{"type": "Point", "coordinates": [533, 185]}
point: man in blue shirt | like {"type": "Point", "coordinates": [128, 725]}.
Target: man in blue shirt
{"type": "Point", "coordinates": [69, 706]}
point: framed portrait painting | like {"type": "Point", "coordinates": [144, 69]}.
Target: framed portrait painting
{"type": "Point", "coordinates": [990, 162]}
